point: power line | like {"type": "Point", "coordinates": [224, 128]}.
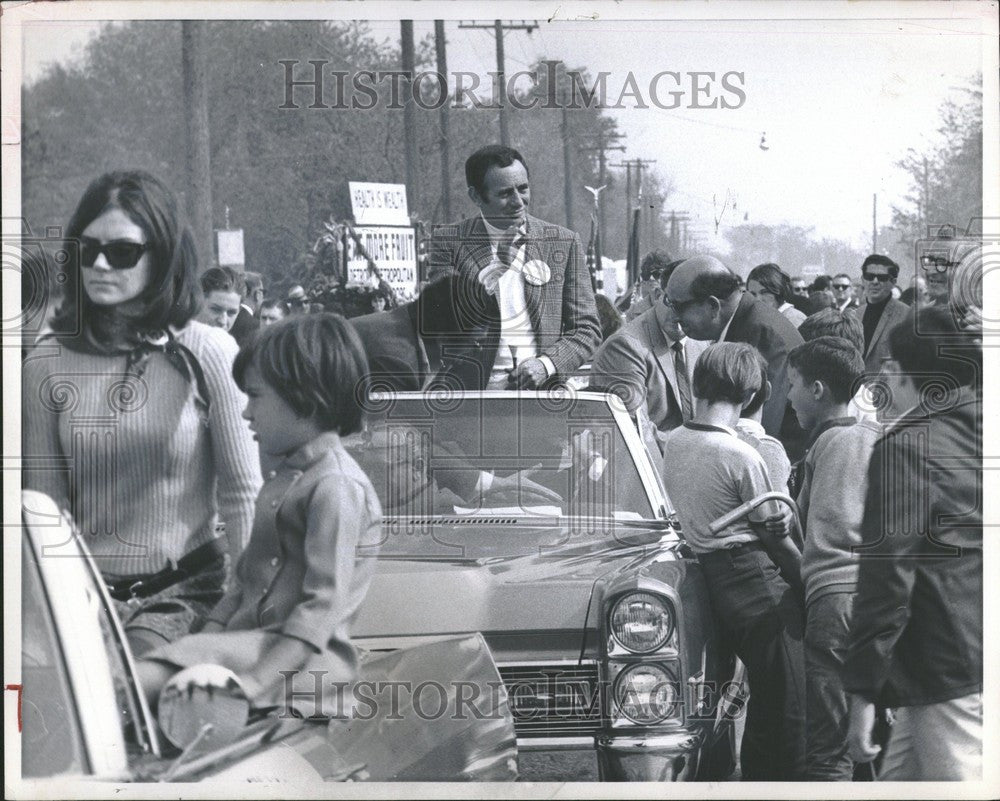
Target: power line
{"type": "Point", "coordinates": [499, 26]}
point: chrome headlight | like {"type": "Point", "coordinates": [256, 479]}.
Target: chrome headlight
{"type": "Point", "coordinates": [641, 622]}
{"type": "Point", "coordinates": [645, 694]}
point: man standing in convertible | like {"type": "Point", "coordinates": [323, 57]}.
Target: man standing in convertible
{"type": "Point", "coordinates": [524, 280]}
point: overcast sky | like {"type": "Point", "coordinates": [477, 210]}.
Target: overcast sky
{"type": "Point", "coordinates": [840, 101]}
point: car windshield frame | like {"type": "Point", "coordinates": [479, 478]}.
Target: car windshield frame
{"type": "Point", "coordinates": [443, 428]}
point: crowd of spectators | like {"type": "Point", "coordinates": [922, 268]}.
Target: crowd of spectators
{"type": "Point", "coordinates": [864, 607]}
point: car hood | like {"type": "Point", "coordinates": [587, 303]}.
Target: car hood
{"type": "Point", "coordinates": [507, 576]}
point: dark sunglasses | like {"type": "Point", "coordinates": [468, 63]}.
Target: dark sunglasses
{"type": "Point", "coordinates": [120, 255]}
{"type": "Point", "coordinates": [841, 286]}
{"type": "Point", "coordinates": [882, 279]}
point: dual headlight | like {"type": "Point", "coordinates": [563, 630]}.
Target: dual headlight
{"type": "Point", "coordinates": [641, 622]}
{"type": "Point", "coordinates": [643, 693]}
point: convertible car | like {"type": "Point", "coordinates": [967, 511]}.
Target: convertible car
{"type": "Point", "coordinates": [539, 520]}
{"type": "Point", "coordinates": [81, 715]}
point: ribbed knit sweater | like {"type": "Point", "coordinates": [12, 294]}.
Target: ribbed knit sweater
{"type": "Point", "coordinates": [143, 472]}
{"type": "Point", "coordinates": [832, 504]}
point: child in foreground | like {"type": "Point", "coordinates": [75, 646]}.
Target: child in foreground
{"type": "Point", "coordinates": [708, 473]}
{"type": "Point", "coordinates": [823, 376]}
{"type": "Point", "coordinates": [307, 566]}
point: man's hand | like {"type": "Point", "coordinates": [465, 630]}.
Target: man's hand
{"type": "Point", "coordinates": [529, 374]}
{"type": "Point", "coordinates": [522, 481]}
{"type": "Point", "coordinates": [859, 730]}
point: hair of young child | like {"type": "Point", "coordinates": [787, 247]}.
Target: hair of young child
{"type": "Point", "coordinates": [317, 365]}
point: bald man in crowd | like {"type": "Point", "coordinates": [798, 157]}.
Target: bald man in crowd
{"type": "Point", "coordinates": [710, 304]}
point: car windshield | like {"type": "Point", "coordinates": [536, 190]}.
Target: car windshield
{"type": "Point", "coordinates": [51, 741]}
{"type": "Point", "coordinates": [524, 456]}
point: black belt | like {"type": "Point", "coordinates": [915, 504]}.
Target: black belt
{"type": "Point", "coordinates": [143, 586]}
{"type": "Point", "coordinates": [732, 550]}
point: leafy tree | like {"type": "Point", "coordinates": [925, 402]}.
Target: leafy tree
{"type": "Point", "coordinates": [279, 173]}
{"type": "Point", "coordinates": [946, 182]}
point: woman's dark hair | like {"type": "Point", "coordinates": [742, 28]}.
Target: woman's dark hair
{"type": "Point", "coordinates": [173, 294]}
{"type": "Point", "coordinates": [317, 365]}
{"type": "Point", "coordinates": [821, 283]}
{"type": "Point", "coordinates": [773, 279]}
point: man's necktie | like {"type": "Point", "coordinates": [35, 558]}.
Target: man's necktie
{"type": "Point", "coordinates": [507, 249]}
{"type": "Point", "coordinates": [683, 382]}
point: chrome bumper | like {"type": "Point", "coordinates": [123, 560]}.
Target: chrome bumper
{"type": "Point", "coordinates": [664, 757]}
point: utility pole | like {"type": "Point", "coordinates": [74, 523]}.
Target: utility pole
{"type": "Point", "coordinates": [629, 165]}
{"type": "Point", "coordinates": [874, 225]}
{"type": "Point", "coordinates": [445, 141]}
{"type": "Point", "coordinates": [409, 117]}
{"type": "Point", "coordinates": [604, 140]}
{"type": "Point", "coordinates": [498, 27]}
{"type": "Point", "coordinates": [925, 201]}
{"type": "Point", "coordinates": [677, 218]}
{"type": "Point", "coordinates": [199, 177]}
{"type": "Point", "coordinates": [567, 167]}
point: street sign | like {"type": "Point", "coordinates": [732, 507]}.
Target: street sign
{"type": "Point", "coordinates": [230, 244]}
{"type": "Point", "coordinates": [393, 249]}
{"type": "Point", "coordinates": [379, 204]}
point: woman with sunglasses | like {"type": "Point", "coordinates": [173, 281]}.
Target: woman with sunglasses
{"type": "Point", "coordinates": [132, 420]}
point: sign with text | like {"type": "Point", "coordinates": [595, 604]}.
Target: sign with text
{"type": "Point", "coordinates": [230, 244]}
{"type": "Point", "coordinates": [394, 250]}
{"type": "Point", "coordinates": [379, 204]}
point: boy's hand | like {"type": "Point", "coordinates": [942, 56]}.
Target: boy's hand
{"type": "Point", "coordinates": [780, 525]}
{"type": "Point", "coordinates": [211, 678]}
{"type": "Point", "coordinates": [859, 730]}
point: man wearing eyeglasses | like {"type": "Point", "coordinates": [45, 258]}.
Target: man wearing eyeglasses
{"type": "Point", "coordinates": [649, 363]}
{"type": "Point", "coordinates": [843, 292]}
{"type": "Point", "coordinates": [707, 299]}
{"type": "Point", "coordinates": [880, 312]}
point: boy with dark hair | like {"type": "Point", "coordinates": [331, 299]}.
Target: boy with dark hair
{"type": "Point", "coordinates": [833, 323]}
{"type": "Point", "coordinates": [823, 374]}
{"type": "Point", "coordinates": [916, 641]}
{"type": "Point", "coordinates": [709, 472]}
{"type": "Point", "coordinates": [223, 289]}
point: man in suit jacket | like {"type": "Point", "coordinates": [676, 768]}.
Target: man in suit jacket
{"type": "Point", "coordinates": [708, 301]}
{"type": "Point", "coordinates": [640, 363]}
{"type": "Point", "coordinates": [880, 312]}
{"type": "Point", "coordinates": [409, 345]}
{"type": "Point", "coordinates": [247, 322]}
{"type": "Point", "coordinates": [525, 281]}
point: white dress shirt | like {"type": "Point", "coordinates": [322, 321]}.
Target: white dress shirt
{"type": "Point", "coordinates": [517, 337]}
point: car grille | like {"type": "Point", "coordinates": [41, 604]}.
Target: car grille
{"type": "Point", "coordinates": [554, 700]}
